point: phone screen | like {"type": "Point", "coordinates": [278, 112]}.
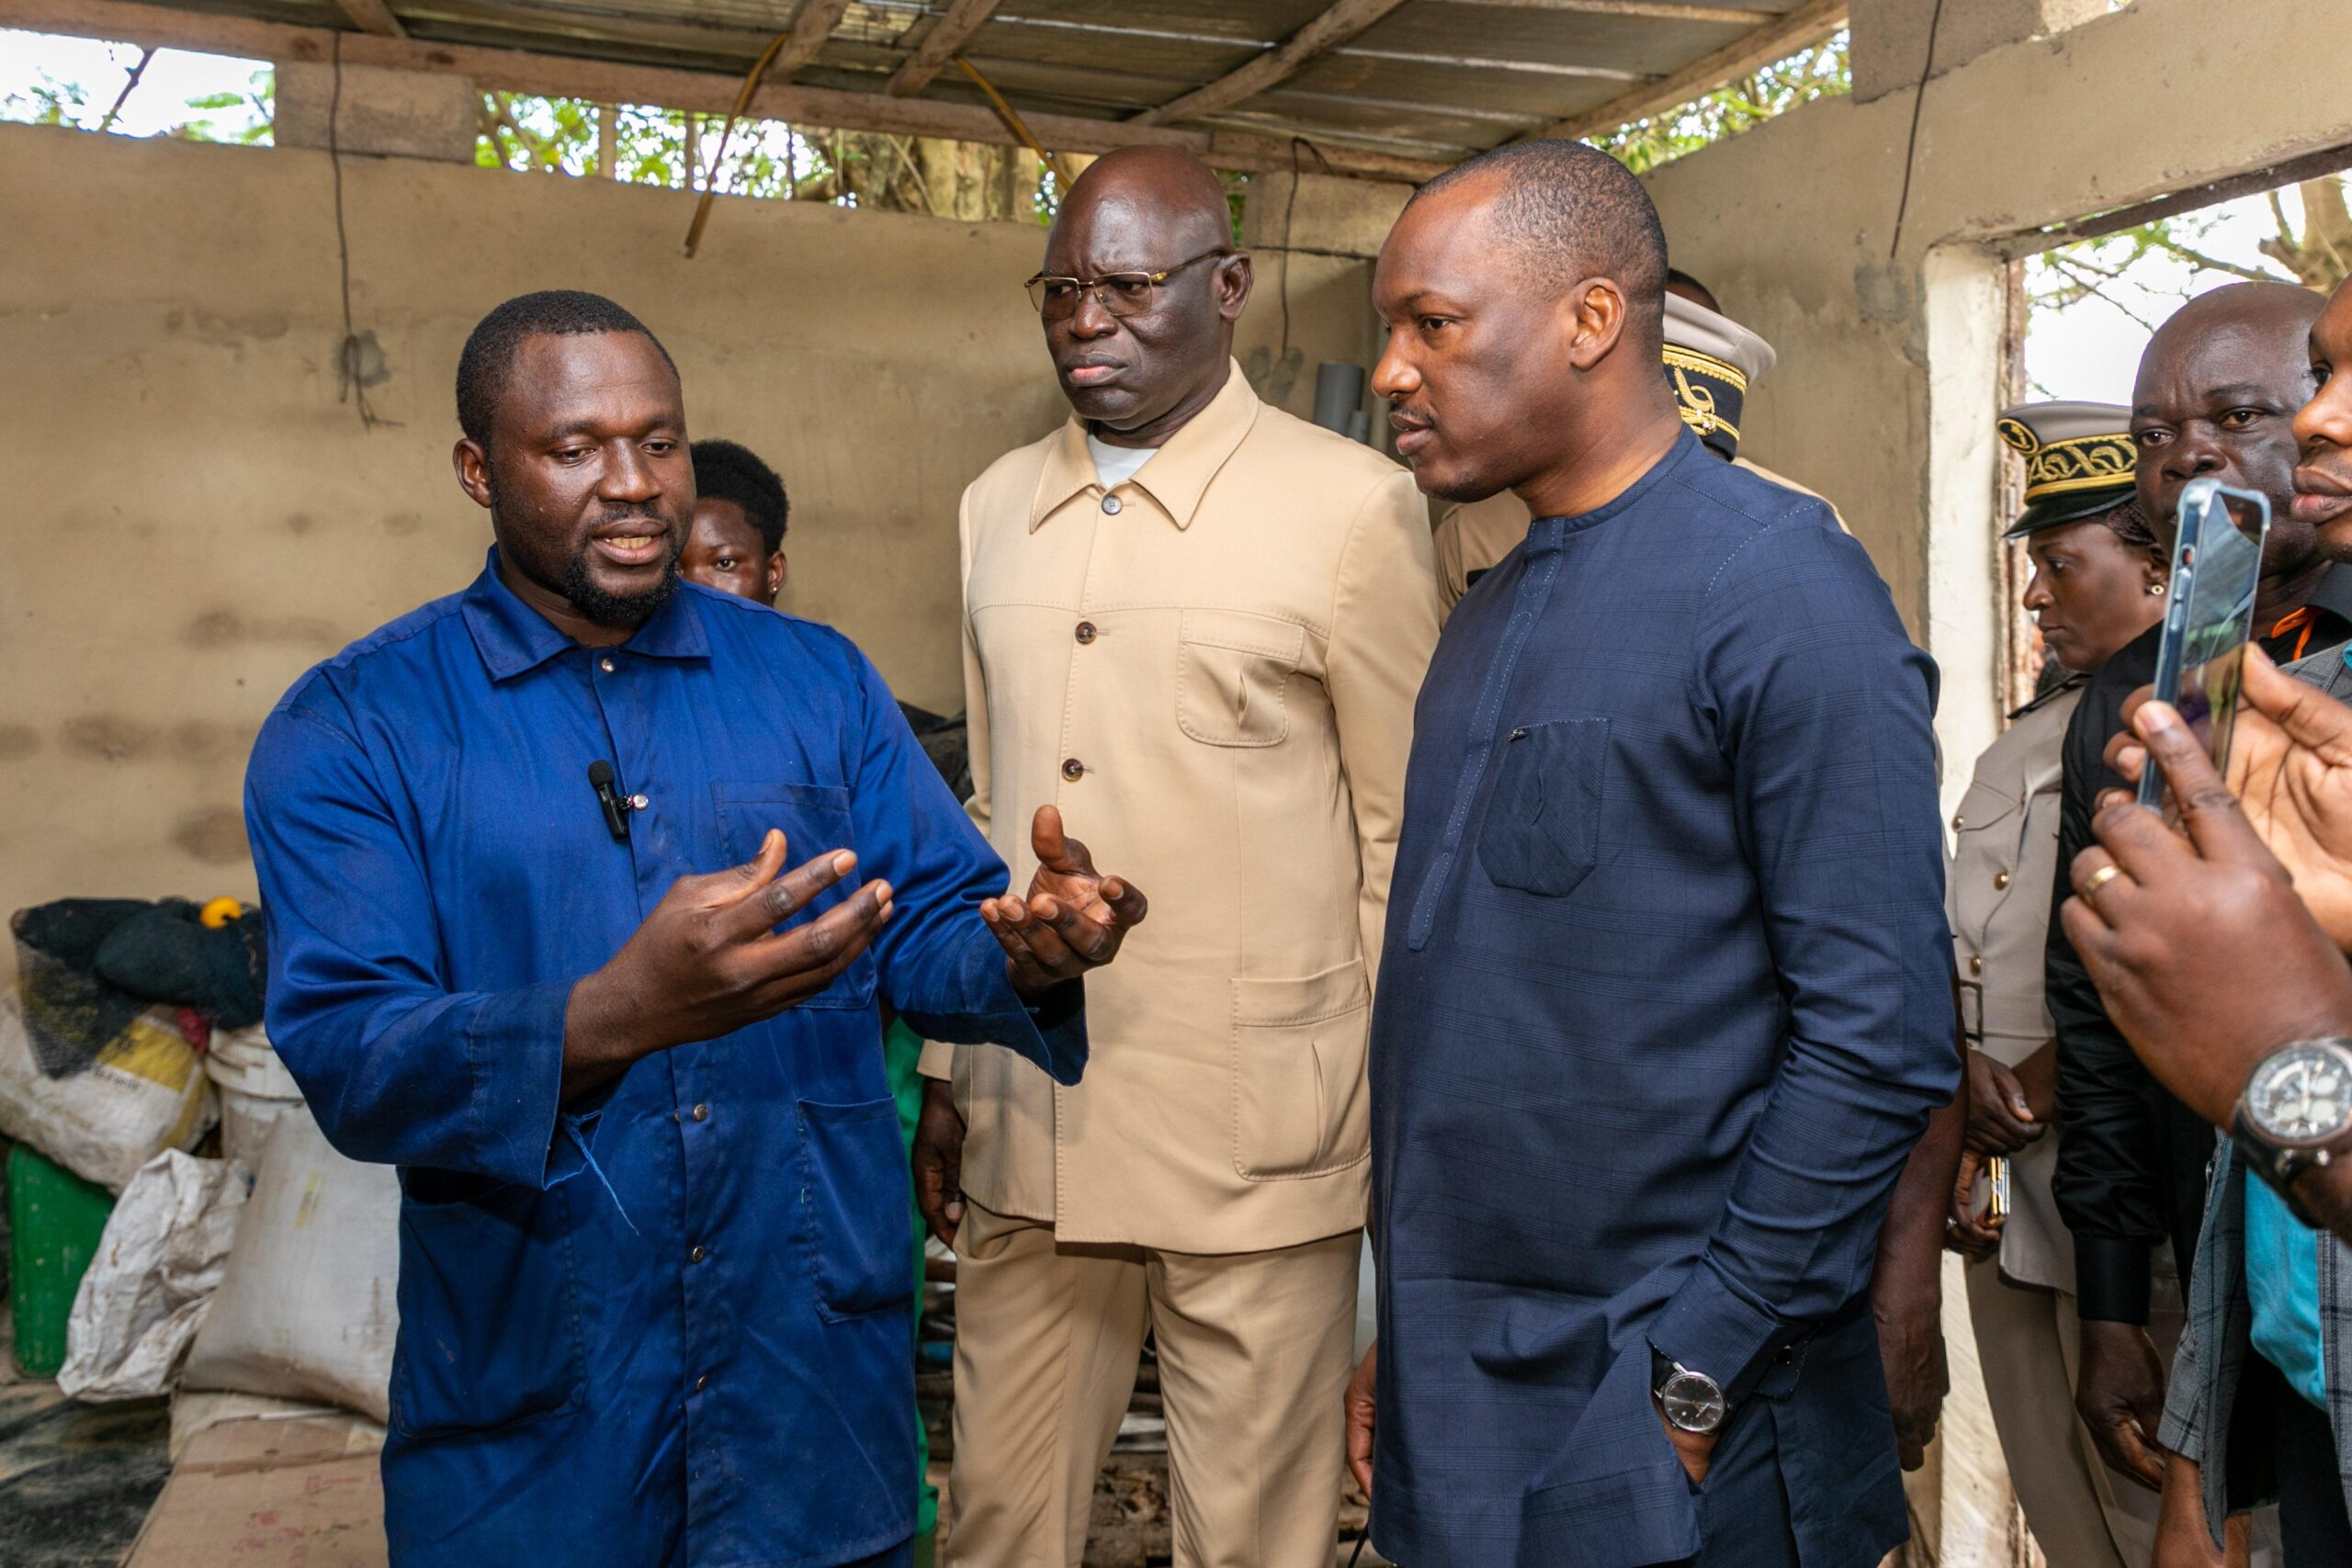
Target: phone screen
{"type": "Point", "coordinates": [2216, 562]}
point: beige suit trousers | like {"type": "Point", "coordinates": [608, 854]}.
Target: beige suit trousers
{"type": "Point", "coordinates": [1254, 1351]}
{"type": "Point", "coordinates": [2082, 1513]}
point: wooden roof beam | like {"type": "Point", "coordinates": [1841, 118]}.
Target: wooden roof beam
{"type": "Point", "coordinates": [1331, 28]}
{"type": "Point", "coordinates": [1807, 25]}
{"type": "Point", "coordinates": [939, 44]}
{"type": "Point", "coordinates": [811, 25]}
{"type": "Point", "coordinates": [703, 91]}
{"type": "Point", "coordinates": [1657, 10]}
{"type": "Point", "coordinates": [372, 16]}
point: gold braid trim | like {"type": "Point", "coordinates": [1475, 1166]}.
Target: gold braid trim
{"type": "Point", "coordinates": [1697, 403]}
{"type": "Point", "coordinates": [2087, 462]}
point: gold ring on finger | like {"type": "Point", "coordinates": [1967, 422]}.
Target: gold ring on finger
{"type": "Point", "coordinates": [2099, 879]}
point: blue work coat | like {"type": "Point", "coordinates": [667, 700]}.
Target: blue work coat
{"type": "Point", "coordinates": [1664, 1004]}
{"type": "Point", "coordinates": [669, 1324]}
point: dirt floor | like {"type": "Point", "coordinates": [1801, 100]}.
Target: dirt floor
{"type": "Point", "coordinates": [75, 1480]}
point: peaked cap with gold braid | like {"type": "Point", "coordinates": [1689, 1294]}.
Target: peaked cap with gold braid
{"type": "Point", "coordinates": [2079, 460]}
{"type": "Point", "coordinates": [1710, 361]}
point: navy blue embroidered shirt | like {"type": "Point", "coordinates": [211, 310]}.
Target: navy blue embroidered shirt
{"type": "Point", "coordinates": [1664, 1004]}
{"type": "Point", "coordinates": [668, 1325]}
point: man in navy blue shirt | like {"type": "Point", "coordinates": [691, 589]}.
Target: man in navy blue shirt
{"type": "Point", "coordinates": [530, 921]}
{"type": "Point", "coordinates": [1666, 1000]}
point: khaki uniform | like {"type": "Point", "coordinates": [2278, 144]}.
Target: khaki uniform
{"type": "Point", "coordinates": [1472, 535]}
{"type": "Point", "coordinates": [2022, 1303]}
{"type": "Point", "coordinates": [1211, 669]}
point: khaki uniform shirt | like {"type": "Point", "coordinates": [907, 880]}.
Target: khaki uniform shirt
{"type": "Point", "coordinates": [2003, 865]}
{"type": "Point", "coordinates": [1472, 537]}
{"type": "Point", "coordinates": [1211, 669]}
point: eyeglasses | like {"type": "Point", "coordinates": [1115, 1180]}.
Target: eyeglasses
{"type": "Point", "coordinates": [1122, 293]}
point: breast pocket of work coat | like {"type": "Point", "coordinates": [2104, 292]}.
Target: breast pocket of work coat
{"type": "Point", "coordinates": [815, 819]}
{"type": "Point", "coordinates": [853, 1223]}
{"type": "Point", "coordinates": [1233, 671]}
{"type": "Point", "coordinates": [1542, 828]}
{"type": "Point", "coordinates": [1300, 1106]}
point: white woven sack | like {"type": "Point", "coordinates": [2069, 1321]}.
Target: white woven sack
{"type": "Point", "coordinates": [144, 1094]}
{"type": "Point", "coordinates": [306, 1309]}
{"type": "Point", "coordinates": [157, 1265]}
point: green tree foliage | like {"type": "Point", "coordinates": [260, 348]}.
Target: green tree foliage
{"type": "Point", "coordinates": [1823, 71]}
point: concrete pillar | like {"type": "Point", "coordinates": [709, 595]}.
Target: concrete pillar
{"type": "Point", "coordinates": [389, 113]}
{"type": "Point", "coordinates": [1890, 37]}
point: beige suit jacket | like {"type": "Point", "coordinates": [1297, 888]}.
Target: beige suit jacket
{"type": "Point", "coordinates": [2003, 867]}
{"type": "Point", "coordinates": [1211, 669]}
{"type": "Point", "coordinates": [1472, 537]}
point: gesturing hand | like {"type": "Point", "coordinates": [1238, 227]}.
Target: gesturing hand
{"type": "Point", "coordinates": [1074, 917]}
{"type": "Point", "coordinates": [2203, 953]}
{"type": "Point", "coordinates": [2291, 768]}
{"type": "Point", "coordinates": [707, 960]}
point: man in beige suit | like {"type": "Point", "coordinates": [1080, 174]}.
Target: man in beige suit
{"type": "Point", "coordinates": [1205, 622]}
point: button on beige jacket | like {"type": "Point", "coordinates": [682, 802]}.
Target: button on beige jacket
{"type": "Point", "coordinates": [1211, 669]}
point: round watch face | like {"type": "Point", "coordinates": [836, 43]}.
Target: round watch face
{"type": "Point", "coordinates": [1692, 1401]}
{"type": "Point", "coordinates": [2301, 1095]}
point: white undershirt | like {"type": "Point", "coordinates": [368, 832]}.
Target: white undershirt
{"type": "Point", "coordinates": [1114, 465]}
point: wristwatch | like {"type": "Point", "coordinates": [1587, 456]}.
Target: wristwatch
{"type": "Point", "coordinates": [2296, 1114]}
{"type": "Point", "coordinates": [1691, 1401]}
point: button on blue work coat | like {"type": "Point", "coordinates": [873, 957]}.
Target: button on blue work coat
{"type": "Point", "coordinates": [668, 1324]}
{"type": "Point", "coordinates": [1664, 1003]}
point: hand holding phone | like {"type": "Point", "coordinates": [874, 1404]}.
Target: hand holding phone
{"type": "Point", "coordinates": [2216, 564]}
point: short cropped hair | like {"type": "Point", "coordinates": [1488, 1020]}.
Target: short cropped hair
{"type": "Point", "coordinates": [488, 355]}
{"type": "Point", "coordinates": [1675, 275]}
{"type": "Point", "coordinates": [724, 471]}
{"type": "Point", "coordinates": [1569, 210]}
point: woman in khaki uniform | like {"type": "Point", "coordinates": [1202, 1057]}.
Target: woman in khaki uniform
{"type": "Point", "coordinates": [2098, 582]}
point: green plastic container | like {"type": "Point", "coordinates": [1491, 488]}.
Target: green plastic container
{"type": "Point", "coordinates": [54, 1221]}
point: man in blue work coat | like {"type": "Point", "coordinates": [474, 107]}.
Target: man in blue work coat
{"type": "Point", "coordinates": [532, 940]}
{"type": "Point", "coordinates": [1665, 999]}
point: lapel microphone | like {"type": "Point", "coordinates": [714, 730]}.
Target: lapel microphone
{"type": "Point", "coordinates": [600, 779]}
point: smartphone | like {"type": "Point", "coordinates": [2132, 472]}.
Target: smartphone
{"type": "Point", "coordinates": [1989, 1198]}
{"type": "Point", "coordinates": [2216, 561]}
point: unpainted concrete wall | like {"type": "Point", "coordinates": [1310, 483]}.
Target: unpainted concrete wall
{"type": "Point", "coordinates": [1884, 396]}
{"type": "Point", "coordinates": [199, 518]}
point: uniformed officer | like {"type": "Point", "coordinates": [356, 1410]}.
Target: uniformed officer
{"type": "Point", "coordinates": [1711, 362]}
{"type": "Point", "coordinates": [2098, 582]}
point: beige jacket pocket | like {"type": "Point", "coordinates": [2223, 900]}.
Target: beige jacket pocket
{"type": "Point", "coordinates": [1233, 671]}
{"type": "Point", "coordinates": [1301, 1105]}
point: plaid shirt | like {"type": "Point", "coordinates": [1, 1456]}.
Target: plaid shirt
{"type": "Point", "coordinates": [2219, 1335]}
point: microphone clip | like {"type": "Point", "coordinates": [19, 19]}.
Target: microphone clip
{"type": "Point", "coordinates": [609, 797]}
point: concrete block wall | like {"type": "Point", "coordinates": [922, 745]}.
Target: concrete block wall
{"type": "Point", "coordinates": [202, 516]}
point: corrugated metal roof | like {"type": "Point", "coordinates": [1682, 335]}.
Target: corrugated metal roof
{"type": "Point", "coordinates": [1426, 79]}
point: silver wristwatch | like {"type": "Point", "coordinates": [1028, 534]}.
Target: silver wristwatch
{"type": "Point", "coordinates": [1691, 1401]}
{"type": "Point", "coordinates": [2296, 1114]}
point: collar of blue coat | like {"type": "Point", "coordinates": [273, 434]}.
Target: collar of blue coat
{"type": "Point", "coordinates": [513, 637]}
{"type": "Point", "coordinates": [1178, 473]}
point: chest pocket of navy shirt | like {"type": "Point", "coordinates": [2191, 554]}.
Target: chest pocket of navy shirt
{"type": "Point", "coordinates": [1541, 834]}
{"type": "Point", "coordinates": [815, 819]}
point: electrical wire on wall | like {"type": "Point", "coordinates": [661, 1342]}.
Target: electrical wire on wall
{"type": "Point", "coordinates": [1911, 146]}
{"type": "Point", "coordinates": [354, 374]}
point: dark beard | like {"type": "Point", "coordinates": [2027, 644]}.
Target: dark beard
{"type": "Point", "coordinates": [617, 609]}
{"type": "Point", "coordinates": [599, 607]}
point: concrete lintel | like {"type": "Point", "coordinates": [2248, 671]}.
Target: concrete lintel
{"type": "Point", "coordinates": [388, 112]}
{"type": "Point", "coordinates": [1891, 37]}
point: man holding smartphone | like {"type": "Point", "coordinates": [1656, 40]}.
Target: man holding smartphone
{"type": "Point", "coordinates": [2216, 396]}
